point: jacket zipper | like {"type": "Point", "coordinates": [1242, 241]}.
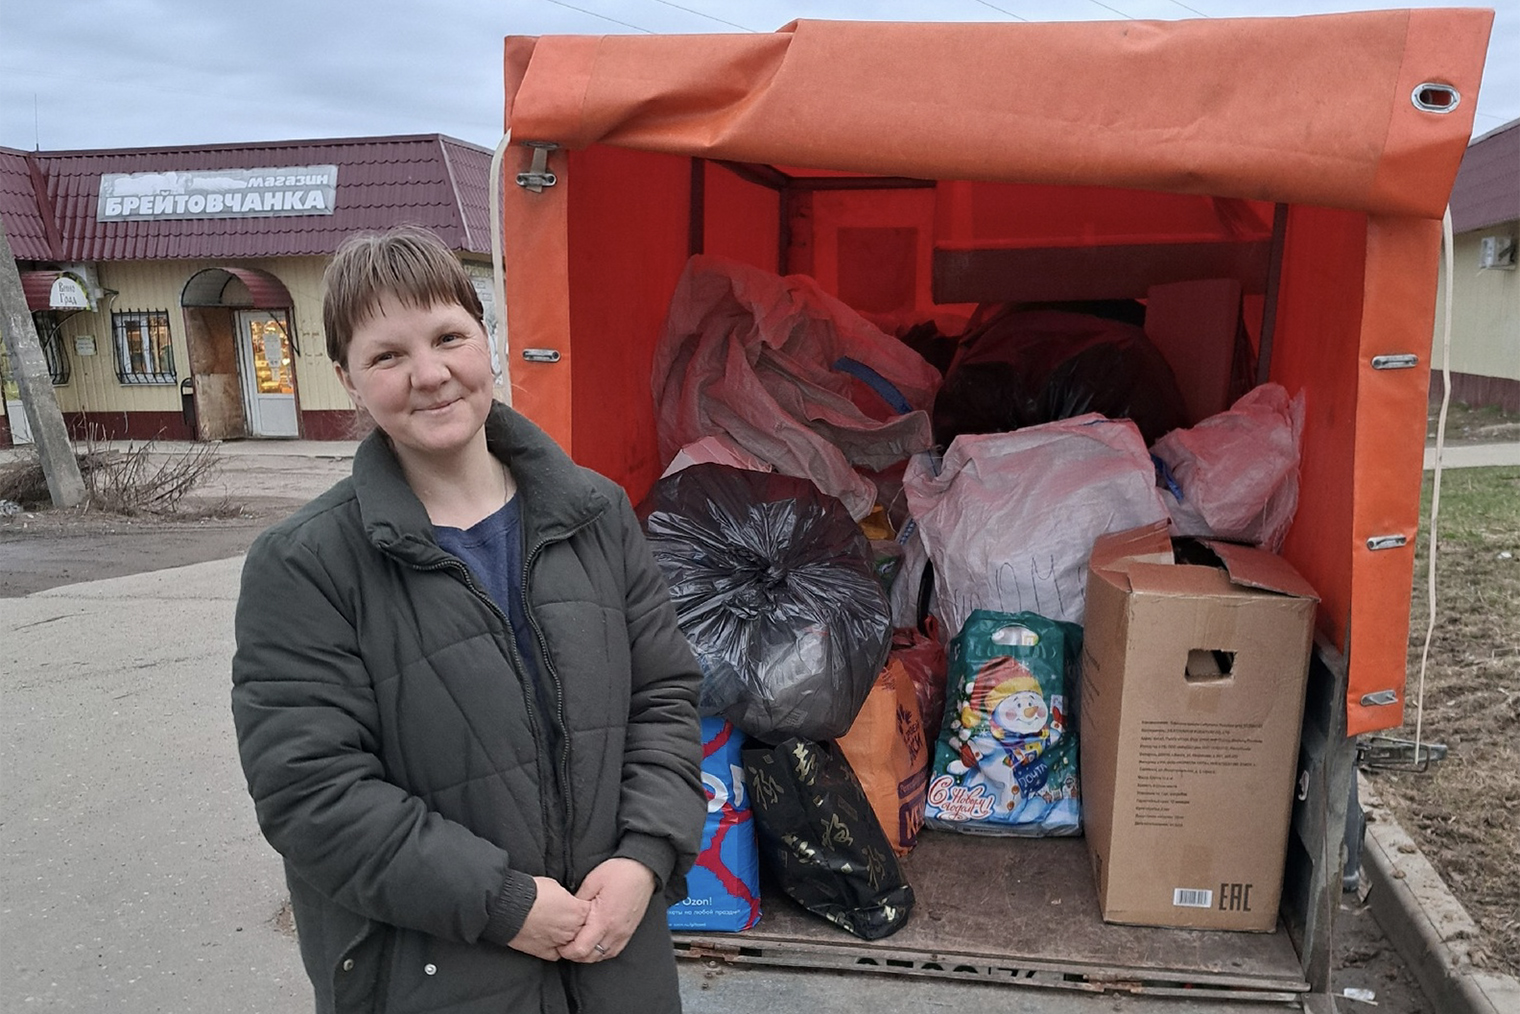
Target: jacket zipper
{"type": "Point", "coordinates": [571, 875]}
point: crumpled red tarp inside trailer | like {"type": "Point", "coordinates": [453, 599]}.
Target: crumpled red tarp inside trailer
{"type": "Point", "coordinates": [1314, 113]}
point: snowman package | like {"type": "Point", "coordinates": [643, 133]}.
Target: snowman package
{"type": "Point", "coordinates": [1006, 759]}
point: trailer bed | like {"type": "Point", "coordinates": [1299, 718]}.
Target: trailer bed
{"type": "Point", "coordinates": [1021, 912]}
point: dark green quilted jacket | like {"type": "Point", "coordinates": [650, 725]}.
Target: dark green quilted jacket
{"type": "Point", "coordinates": [399, 763]}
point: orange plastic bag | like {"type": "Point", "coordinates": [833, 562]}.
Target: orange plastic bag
{"type": "Point", "coordinates": [887, 751]}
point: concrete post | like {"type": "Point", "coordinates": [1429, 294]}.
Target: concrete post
{"type": "Point", "coordinates": [54, 449]}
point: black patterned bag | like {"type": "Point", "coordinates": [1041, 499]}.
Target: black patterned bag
{"type": "Point", "coordinates": [821, 840]}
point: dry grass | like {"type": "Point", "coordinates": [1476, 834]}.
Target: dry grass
{"type": "Point", "coordinates": [22, 481]}
{"type": "Point", "coordinates": [1465, 812]}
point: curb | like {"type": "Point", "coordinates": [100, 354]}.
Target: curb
{"type": "Point", "coordinates": [1425, 922]}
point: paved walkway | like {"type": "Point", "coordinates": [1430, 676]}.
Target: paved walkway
{"type": "Point", "coordinates": [1474, 455]}
{"type": "Point", "coordinates": [335, 449]}
{"type": "Point", "coordinates": [134, 876]}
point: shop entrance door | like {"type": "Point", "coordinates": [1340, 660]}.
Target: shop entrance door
{"type": "Point", "coordinates": [268, 373]}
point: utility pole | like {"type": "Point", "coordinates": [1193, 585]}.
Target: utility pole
{"type": "Point", "coordinates": [54, 449]}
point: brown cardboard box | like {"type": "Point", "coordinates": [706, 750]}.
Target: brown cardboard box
{"type": "Point", "coordinates": [1192, 694]}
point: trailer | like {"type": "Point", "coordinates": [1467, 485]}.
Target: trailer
{"type": "Point", "coordinates": [908, 167]}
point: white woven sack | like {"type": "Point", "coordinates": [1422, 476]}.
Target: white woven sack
{"type": "Point", "coordinates": [1010, 520]}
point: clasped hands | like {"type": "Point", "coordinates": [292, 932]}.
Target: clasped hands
{"type": "Point", "coordinates": [592, 924]}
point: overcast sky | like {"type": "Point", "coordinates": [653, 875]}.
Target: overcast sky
{"type": "Point", "coordinates": [138, 73]}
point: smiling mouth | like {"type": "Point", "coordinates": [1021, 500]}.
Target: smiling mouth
{"type": "Point", "coordinates": [436, 408]}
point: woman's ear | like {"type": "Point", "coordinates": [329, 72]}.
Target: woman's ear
{"type": "Point", "coordinates": [362, 423]}
{"type": "Point", "coordinates": [348, 385]}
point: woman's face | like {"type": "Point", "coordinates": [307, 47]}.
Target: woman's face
{"type": "Point", "coordinates": [423, 374]}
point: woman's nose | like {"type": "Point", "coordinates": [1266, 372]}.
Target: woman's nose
{"type": "Point", "coordinates": [429, 369]}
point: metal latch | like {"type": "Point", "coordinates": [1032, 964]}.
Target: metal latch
{"type": "Point", "coordinates": [538, 175]}
{"type": "Point", "coordinates": [541, 355]}
{"type": "Point", "coordinates": [1402, 361]}
{"type": "Point", "coordinates": [707, 950]}
{"type": "Point", "coordinates": [1380, 698]}
{"type": "Point", "coordinates": [1388, 752]}
{"type": "Point", "coordinates": [1387, 542]}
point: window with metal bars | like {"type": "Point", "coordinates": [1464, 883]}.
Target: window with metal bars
{"type": "Point", "coordinates": [144, 351]}
{"type": "Point", "coordinates": [48, 322]}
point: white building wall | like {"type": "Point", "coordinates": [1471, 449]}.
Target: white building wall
{"type": "Point", "coordinates": [158, 285]}
{"type": "Point", "coordinates": [1485, 318]}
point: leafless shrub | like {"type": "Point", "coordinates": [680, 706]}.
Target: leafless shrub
{"type": "Point", "coordinates": [143, 479]}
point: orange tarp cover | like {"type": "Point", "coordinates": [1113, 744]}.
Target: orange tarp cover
{"type": "Point", "coordinates": [1312, 110]}
{"type": "Point", "coordinates": [1315, 113]}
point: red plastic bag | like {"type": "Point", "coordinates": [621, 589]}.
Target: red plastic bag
{"type": "Point", "coordinates": [750, 356]}
{"type": "Point", "coordinates": [923, 656]}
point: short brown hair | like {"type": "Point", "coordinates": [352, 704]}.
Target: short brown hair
{"type": "Point", "coordinates": [409, 262]}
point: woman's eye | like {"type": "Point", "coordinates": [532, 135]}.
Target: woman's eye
{"type": "Point", "coordinates": [451, 337]}
{"type": "Point", "coordinates": [383, 358]}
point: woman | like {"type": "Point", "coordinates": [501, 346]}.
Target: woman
{"type": "Point", "coordinates": [465, 711]}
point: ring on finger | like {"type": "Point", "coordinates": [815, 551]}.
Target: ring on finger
{"type": "Point", "coordinates": [599, 949]}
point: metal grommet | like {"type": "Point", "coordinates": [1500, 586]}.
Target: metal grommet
{"type": "Point", "coordinates": [1435, 97]}
{"type": "Point", "coordinates": [430, 969]}
{"type": "Point", "coordinates": [348, 964]}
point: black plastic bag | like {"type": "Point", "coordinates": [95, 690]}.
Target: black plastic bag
{"type": "Point", "coordinates": [821, 840]}
{"type": "Point", "coordinates": [1027, 367]}
{"type": "Point", "coordinates": [773, 586]}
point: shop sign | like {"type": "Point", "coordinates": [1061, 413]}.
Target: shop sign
{"type": "Point", "coordinates": [217, 193]}
{"type": "Point", "coordinates": [68, 293]}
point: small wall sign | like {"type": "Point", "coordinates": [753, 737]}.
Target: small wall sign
{"type": "Point", "coordinates": [68, 293]}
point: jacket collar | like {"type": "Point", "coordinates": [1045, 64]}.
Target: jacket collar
{"type": "Point", "coordinates": [556, 495]}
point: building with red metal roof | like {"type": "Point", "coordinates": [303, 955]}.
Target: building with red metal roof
{"type": "Point", "coordinates": [177, 291]}
{"type": "Point", "coordinates": [1485, 285]}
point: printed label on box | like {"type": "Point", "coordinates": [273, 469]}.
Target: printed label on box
{"type": "Point", "coordinates": [1192, 897]}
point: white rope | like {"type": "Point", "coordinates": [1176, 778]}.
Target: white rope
{"type": "Point", "coordinates": [1435, 481]}
{"type": "Point", "coordinates": [498, 274]}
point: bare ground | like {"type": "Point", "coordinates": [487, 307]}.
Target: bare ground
{"type": "Point", "coordinates": [44, 548]}
{"type": "Point", "coordinates": [1465, 811]}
